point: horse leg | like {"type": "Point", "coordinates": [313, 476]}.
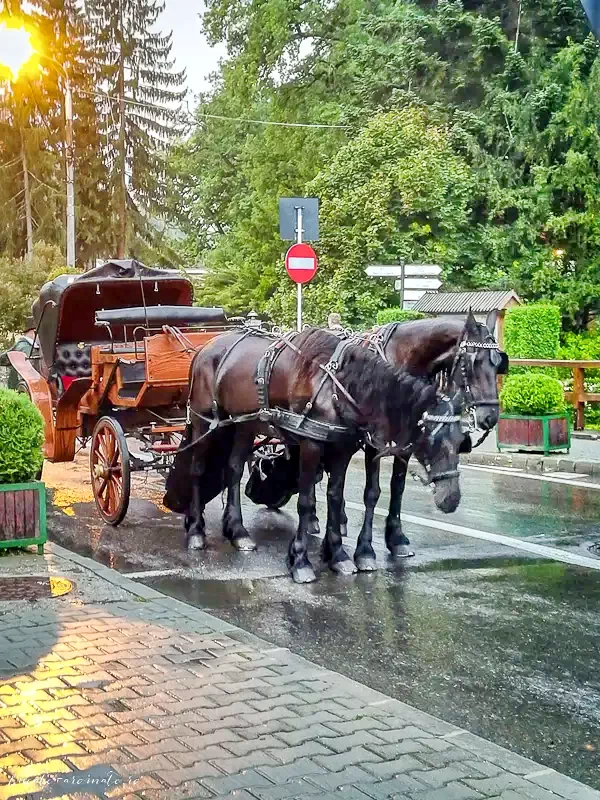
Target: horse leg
{"type": "Point", "coordinates": [314, 528]}
{"type": "Point", "coordinates": [397, 543]}
{"type": "Point", "coordinates": [343, 520]}
{"type": "Point", "coordinates": [332, 550]}
{"type": "Point", "coordinates": [298, 562]}
{"type": "Point", "coordinates": [233, 527]}
{"type": "Point", "coordinates": [195, 534]}
{"type": "Point", "coordinates": [364, 557]}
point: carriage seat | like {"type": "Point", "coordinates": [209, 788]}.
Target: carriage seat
{"type": "Point", "coordinates": [156, 316]}
{"type": "Point", "coordinates": [73, 360]}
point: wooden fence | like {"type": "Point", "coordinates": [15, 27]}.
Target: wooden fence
{"type": "Point", "coordinates": [578, 396]}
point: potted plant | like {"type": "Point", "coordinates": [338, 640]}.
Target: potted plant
{"type": "Point", "coordinates": [22, 497]}
{"type": "Point", "coordinates": [533, 414]}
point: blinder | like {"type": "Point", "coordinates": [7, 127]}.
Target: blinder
{"type": "Point", "coordinates": [500, 361]}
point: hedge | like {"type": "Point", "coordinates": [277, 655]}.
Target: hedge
{"type": "Point", "coordinates": [397, 314]}
{"type": "Point", "coordinates": [532, 331]}
{"type": "Point", "coordinates": [532, 395]}
{"type": "Point", "coordinates": [21, 438]}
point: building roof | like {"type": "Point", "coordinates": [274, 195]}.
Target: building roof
{"type": "Point", "coordinates": [461, 302]}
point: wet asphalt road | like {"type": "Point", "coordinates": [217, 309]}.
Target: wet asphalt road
{"type": "Point", "coordinates": [498, 641]}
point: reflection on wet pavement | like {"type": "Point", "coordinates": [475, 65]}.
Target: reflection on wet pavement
{"type": "Point", "coordinates": [504, 645]}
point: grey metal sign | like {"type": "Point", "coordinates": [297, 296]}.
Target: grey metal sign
{"type": "Point", "coordinates": [288, 215]}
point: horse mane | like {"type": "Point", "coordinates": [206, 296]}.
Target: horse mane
{"type": "Point", "coordinates": [380, 390]}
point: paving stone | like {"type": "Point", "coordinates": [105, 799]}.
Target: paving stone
{"type": "Point", "coordinates": [241, 780]}
{"type": "Point", "coordinates": [305, 721]}
{"type": "Point", "coordinates": [316, 732]}
{"type": "Point", "coordinates": [392, 751]}
{"type": "Point", "coordinates": [299, 769]}
{"type": "Point", "coordinates": [443, 775]}
{"type": "Point", "coordinates": [362, 724]}
{"type": "Point", "coordinates": [357, 755]}
{"type": "Point", "coordinates": [238, 763]}
{"type": "Point", "coordinates": [297, 787]}
{"type": "Point", "coordinates": [245, 746]}
{"type": "Point", "coordinates": [452, 791]}
{"type": "Point", "coordinates": [399, 766]}
{"type": "Point", "coordinates": [341, 743]}
{"type": "Point", "coordinates": [187, 758]}
{"type": "Point", "coordinates": [174, 777]}
{"type": "Point", "coordinates": [345, 777]}
{"type": "Point", "coordinates": [397, 787]}
{"type": "Point", "coordinates": [185, 790]}
{"type": "Point", "coordinates": [287, 754]}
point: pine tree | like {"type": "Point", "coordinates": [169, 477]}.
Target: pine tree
{"type": "Point", "coordinates": [140, 111]}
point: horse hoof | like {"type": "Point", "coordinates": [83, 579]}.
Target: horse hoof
{"type": "Point", "coordinates": [366, 564]}
{"type": "Point", "coordinates": [343, 530]}
{"type": "Point", "coordinates": [401, 551]}
{"type": "Point", "coordinates": [196, 542]}
{"type": "Point", "coordinates": [303, 575]}
{"type": "Point", "coordinates": [343, 567]}
{"type": "Point", "coordinates": [245, 544]}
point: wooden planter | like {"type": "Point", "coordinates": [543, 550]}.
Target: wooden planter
{"type": "Point", "coordinates": [534, 434]}
{"type": "Point", "coordinates": [23, 515]}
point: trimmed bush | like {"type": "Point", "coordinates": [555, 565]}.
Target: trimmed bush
{"type": "Point", "coordinates": [21, 438]}
{"type": "Point", "coordinates": [532, 331]}
{"type": "Point", "coordinates": [397, 314]}
{"type": "Point", "coordinates": [532, 395]}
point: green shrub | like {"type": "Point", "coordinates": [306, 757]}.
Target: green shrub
{"type": "Point", "coordinates": [397, 314]}
{"type": "Point", "coordinates": [21, 438]}
{"type": "Point", "coordinates": [532, 394]}
{"type": "Point", "coordinates": [62, 271]}
{"type": "Point", "coordinates": [532, 331]}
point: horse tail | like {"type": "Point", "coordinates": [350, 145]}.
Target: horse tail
{"type": "Point", "coordinates": [178, 494]}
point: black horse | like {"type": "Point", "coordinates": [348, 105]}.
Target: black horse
{"type": "Point", "coordinates": [319, 393]}
{"type": "Point", "coordinates": [464, 358]}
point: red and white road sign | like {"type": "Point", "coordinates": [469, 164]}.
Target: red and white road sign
{"type": "Point", "coordinates": [301, 263]}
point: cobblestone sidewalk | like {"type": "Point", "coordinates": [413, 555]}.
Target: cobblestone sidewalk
{"type": "Point", "coordinates": [118, 691]}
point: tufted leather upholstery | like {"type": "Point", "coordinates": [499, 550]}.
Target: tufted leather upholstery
{"type": "Point", "coordinates": [73, 360]}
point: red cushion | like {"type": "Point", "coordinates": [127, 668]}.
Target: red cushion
{"type": "Point", "coordinates": [67, 381]}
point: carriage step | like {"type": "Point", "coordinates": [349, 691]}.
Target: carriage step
{"type": "Point", "coordinates": [164, 448]}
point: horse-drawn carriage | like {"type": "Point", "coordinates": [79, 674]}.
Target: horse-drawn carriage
{"type": "Point", "coordinates": [116, 345]}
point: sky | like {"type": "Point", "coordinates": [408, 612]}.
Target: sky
{"type": "Point", "coordinates": [190, 49]}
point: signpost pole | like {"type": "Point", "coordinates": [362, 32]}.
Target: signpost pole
{"type": "Point", "coordinates": [402, 263]}
{"type": "Point", "coordinates": [299, 232]}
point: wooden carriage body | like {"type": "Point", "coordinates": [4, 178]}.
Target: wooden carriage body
{"type": "Point", "coordinates": [116, 347]}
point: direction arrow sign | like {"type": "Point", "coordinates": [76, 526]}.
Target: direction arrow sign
{"type": "Point", "coordinates": [384, 271]}
{"type": "Point", "coordinates": [413, 294]}
{"type": "Point", "coordinates": [301, 263]}
{"type": "Point", "coordinates": [422, 269]}
{"type": "Point", "coordinates": [395, 270]}
{"type": "Point", "coordinates": [422, 283]}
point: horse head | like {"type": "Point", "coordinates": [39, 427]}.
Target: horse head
{"type": "Point", "coordinates": [471, 365]}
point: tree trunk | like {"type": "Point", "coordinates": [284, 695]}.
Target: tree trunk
{"type": "Point", "coordinates": [122, 158]}
{"type": "Point", "coordinates": [27, 197]}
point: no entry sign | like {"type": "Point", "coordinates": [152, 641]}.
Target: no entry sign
{"type": "Point", "coordinates": [301, 263]}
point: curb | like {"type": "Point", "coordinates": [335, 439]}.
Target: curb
{"type": "Point", "coordinates": [533, 463]}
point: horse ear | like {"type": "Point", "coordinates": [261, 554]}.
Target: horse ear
{"type": "Point", "coordinates": [471, 323]}
{"type": "Point", "coordinates": [490, 321]}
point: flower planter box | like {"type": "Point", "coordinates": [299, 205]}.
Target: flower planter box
{"type": "Point", "coordinates": [544, 434]}
{"type": "Point", "coordinates": [23, 515]}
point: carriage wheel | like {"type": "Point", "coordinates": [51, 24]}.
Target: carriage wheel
{"type": "Point", "coordinates": [110, 468]}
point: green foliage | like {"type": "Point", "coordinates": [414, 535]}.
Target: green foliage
{"type": "Point", "coordinates": [532, 394]}
{"type": "Point", "coordinates": [397, 314]}
{"type": "Point", "coordinates": [532, 331]}
{"type": "Point", "coordinates": [20, 281]}
{"type": "Point", "coordinates": [21, 438]}
{"type": "Point", "coordinates": [62, 271]}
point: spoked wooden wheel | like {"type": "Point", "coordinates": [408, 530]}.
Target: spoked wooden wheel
{"type": "Point", "coordinates": [110, 468]}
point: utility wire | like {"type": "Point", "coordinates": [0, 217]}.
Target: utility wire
{"type": "Point", "coordinates": [206, 115]}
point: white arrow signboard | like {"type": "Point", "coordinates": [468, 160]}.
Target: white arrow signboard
{"type": "Point", "coordinates": [412, 295]}
{"type": "Point", "coordinates": [421, 283]}
{"type": "Point", "coordinates": [422, 269]}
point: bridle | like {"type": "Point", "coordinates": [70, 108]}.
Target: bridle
{"type": "Point", "coordinates": [437, 421]}
{"type": "Point", "coordinates": [464, 362]}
